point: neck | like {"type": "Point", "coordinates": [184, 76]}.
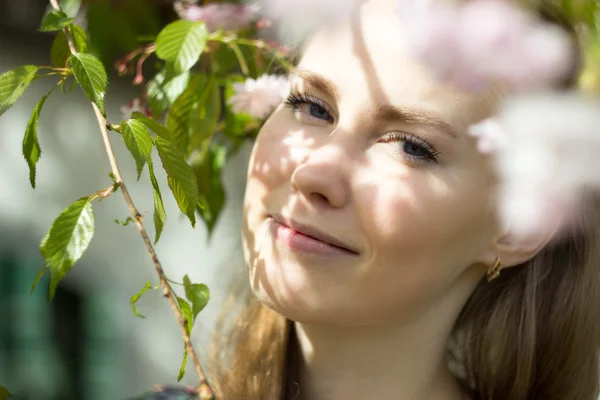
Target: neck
{"type": "Point", "coordinates": [390, 361]}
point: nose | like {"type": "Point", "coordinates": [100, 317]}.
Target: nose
{"type": "Point", "coordinates": [323, 177]}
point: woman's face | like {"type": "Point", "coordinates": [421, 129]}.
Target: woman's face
{"type": "Point", "coordinates": [371, 156]}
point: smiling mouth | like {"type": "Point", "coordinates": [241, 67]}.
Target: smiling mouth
{"type": "Point", "coordinates": [307, 239]}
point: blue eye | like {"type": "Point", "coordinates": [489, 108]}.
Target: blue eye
{"type": "Point", "coordinates": [319, 112]}
{"type": "Point", "coordinates": [412, 147]}
{"type": "Point", "coordinates": [415, 150]}
{"type": "Point", "coordinates": [309, 105]}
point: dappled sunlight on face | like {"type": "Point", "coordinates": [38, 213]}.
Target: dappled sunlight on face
{"type": "Point", "coordinates": [370, 156]}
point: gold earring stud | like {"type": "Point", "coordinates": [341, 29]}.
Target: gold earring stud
{"type": "Point", "coordinates": [494, 271]}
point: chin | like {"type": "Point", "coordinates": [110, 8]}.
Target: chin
{"type": "Point", "coordinates": [287, 291]}
{"type": "Point", "coordinates": [299, 298]}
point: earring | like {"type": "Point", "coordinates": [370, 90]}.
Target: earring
{"type": "Point", "coordinates": [494, 271]}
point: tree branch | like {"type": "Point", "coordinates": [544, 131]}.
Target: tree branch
{"type": "Point", "coordinates": [204, 390]}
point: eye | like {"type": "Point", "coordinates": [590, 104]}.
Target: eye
{"type": "Point", "coordinates": [411, 147]}
{"type": "Point", "coordinates": [310, 106]}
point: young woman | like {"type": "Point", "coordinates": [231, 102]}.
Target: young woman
{"type": "Point", "coordinates": [369, 230]}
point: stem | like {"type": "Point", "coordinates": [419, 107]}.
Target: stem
{"type": "Point", "coordinates": [240, 57]}
{"type": "Point", "coordinates": [255, 43]}
{"type": "Point", "coordinates": [137, 217]}
{"type": "Point", "coordinates": [204, 390]}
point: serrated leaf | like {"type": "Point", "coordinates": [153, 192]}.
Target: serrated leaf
{"type": "Point", "coordinates": [185, 108]}
{"type": "Point", "coordinates": [153, 125]}
{"type": "Point", "coordinates": [163, 90]}
{"type": "Point", "coordinates": [91, 76]}
{"type": "Point", "coordinates": [134, 299]}
{"type": "Point", "coordinates": [31, 146]}
{"type": "Point", "coordinates": [180, 177]}
{"type": "Point", "coordinates": [181, 43]}
{"type": "Point", "coordinates": [183, 364]}
{"type": "Point", "coordinates": [178, 118]}
{"type": "Point", "coordinates": [67, 240]}
{"type": "Point", "coordinates": [160, 215]}
{"type": "Point", "coordinates": [186, 311]}
{"type": "Point", "coordinates": [138, 141]}
{"type": "Point", "coordinates": [60, 52]}
{"type": "Point", "coordinates": [206, 115]}
{"type": "Point", "coordinates": [38, 277]}
{"type": "Point", "coordinates": [55, 21]}
{"type": "Point", "coordinates": [208, 167]}
{"type": "Point", "coordinates": [13, 84]}
{"type": "Point", "coordinates": [5, 394]}
{"type": "Point", "coordinates": [197, 294]}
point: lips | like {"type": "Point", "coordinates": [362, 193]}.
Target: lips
{"type": "Point", "coordinates": [314, 233]}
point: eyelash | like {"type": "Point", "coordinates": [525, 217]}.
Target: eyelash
{"type": "Point", "coordinates": [431, 154]}
{"type": "Point", "coordinates": [295, 99]}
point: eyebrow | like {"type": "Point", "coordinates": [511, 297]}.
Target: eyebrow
{"type": "Point", "coordinates": [392, 113]}
{"type": "Point", "coordinates": [385, 112]}
{"type": "Point", "coordinates": [318, 82]}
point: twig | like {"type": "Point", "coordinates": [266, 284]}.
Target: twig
{"type": "Point", "coordinates": [168, 293]}
{"type": "Point", "coordinates": [240, 57]}
{"type": "Point", "coordinates": [204, 388]}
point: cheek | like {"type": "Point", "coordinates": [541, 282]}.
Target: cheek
{"type": "Point", "coordinates": [423, 216]}
{"type": "Point", "coordinates": [423, 233]}
{"type": "Point", "coordinates": [279, 149]}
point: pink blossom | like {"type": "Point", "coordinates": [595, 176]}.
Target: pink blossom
{"type": "Point", "coordinates": [484, 41]}
{"type": "Point", "coordinates": [259, 97]}
{"type": "Point", "coordinates": [549, 160]}
{"type": "Point", "coordinates": [226, 16]}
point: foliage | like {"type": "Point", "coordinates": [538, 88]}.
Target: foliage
{"type": "Point", "coordinates": [185, 118]}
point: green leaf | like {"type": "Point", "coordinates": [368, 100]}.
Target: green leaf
{"type": "Point", "coordinates": [180, 177]}
{"type": "Point", "coordinates": [55, 21]}
{"type": "Point", "coordinates": [67, 240]}
{"type": "Point", "coordinates": [164, 90]}
{"type": "Point", "coordinates": [138, 141]}
{"type": "Point", "coordinates": [206, 115]}
{"type": "Point", "coordinates": [70, 7]}
{"type": "Point", "coordinates": [160, 216]}
{"type": "Point", "coordinates": [13, 84]}
{"type": "Point", "coordinates": [134, 299]}
{"type": "Point", "coordinates": [91, 76]}
{"type": "Point", "coordinates": [182, 42]}
{"type": "Point", "coordinates": [186, 311]}
{"type": "Point", "coordinates": [178, 118]}
{"type": "Point", "coordinates": [207, 167]}
{"type": "Point", "coordinates": [60, 52]}
{"type": "Point", "coordinates": [224, 61]}
{"type": "Point", "coordinates": [182, 368]}
{"type": "Point", "coordinates": [184, 109]}
{"type": "Point", "coordinates": [38, 277]}
{"type": "Point", "coordinates": [5, 394]}
{"type": "Point", "coordinates": [197, 294]}
{"type": "Point", "coordinates": [31, 146]}
{"type": "Point", "coordinates": [153, 125]}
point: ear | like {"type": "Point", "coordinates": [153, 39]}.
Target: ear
{"type": "Point", "coordinates": [514, 250]}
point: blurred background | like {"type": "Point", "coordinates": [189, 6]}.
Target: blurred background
{"type": "Point", "coordinates": [86, 344]}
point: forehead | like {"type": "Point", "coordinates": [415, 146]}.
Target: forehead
{"type": "Point", "coordinates": [369, 60]}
